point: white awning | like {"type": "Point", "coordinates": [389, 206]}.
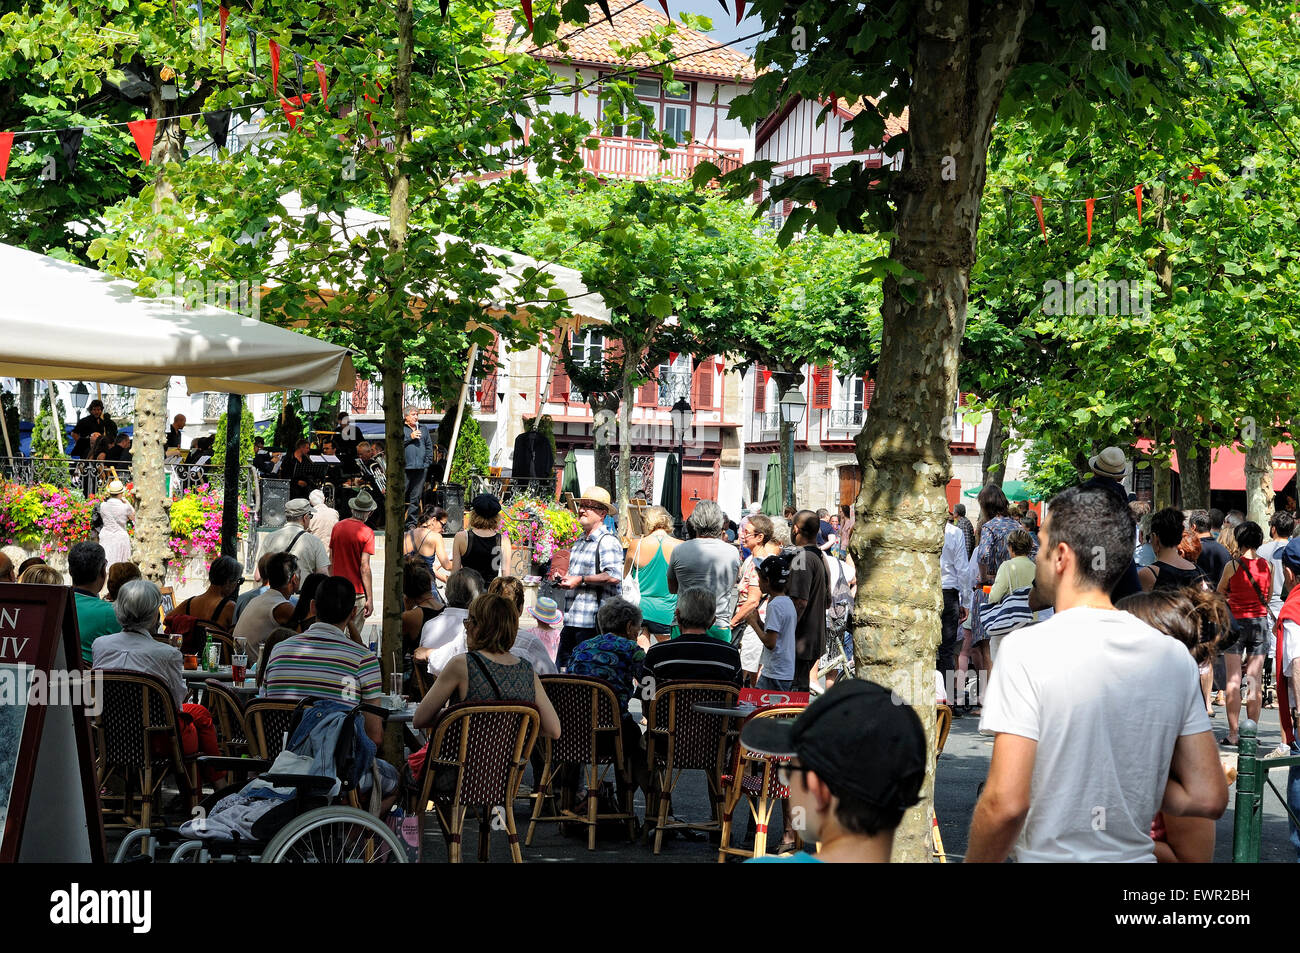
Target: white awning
{"type": "Point", "coordinates": [63, 321]}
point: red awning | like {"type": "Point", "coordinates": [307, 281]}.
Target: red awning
{"type": "Point", "coordinates": [1228, 466]}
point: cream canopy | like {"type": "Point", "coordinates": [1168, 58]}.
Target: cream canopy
{"type": "Point", "coordinates": [63, 321]}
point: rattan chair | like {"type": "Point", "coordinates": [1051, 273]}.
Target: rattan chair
{"type": "Point", "coordinates": [942, 725]}
{"type": "Point", "coordinates": [591, 734]}
{"type": "Point", "coordinates": [754, 779]}
{"type": "Point", "coordinates": [477, 759]}
{"type": "Point", "coordinates": [681, 739]}
{"type": "Point", "coordinates": [137, 735]}
{"type": "Point", "coordinates": [268, 721]}
{"type": "Point", "coordinates": [228, 716]}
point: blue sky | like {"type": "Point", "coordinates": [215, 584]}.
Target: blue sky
{"type": "Point", "coordinates": [724, 24]}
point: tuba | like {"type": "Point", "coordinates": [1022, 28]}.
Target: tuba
{"type": "Point", "coordinates": [377, 473]}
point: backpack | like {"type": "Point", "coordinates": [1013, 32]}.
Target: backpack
{"type": "Point", "coordinates": [839, 602]}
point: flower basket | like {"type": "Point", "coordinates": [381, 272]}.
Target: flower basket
{"type": "Point", "coordinates": [544, 530]}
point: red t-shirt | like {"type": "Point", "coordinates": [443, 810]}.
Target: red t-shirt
{"type": "Point", "coordinates": [1242, 599]}
{"type": "Point", "coordinates": [348, 541]}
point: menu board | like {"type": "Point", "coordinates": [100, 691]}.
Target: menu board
{"type": "Point", "coordinates": [49, 800]}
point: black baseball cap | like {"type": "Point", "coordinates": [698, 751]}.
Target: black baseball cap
{"type": "Point", "coordinates": [485, 504]}
{"type": "Point", "coordinates": [859, 740]}
{"type": "Point", "coordinates": [775, 569]}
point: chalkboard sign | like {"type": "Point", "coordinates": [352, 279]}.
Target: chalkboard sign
{"type": "Point", "coordinates": [49, 798]}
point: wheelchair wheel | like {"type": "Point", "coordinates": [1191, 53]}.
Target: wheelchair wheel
{"type": "Point", "coordinates": [335, 835]}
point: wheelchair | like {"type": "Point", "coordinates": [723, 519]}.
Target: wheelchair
{"type": "Point", "coordinates": [310, 827]}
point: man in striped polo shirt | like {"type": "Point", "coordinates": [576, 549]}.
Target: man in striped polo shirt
{"type": "Point", "coordinates": [323, 662]}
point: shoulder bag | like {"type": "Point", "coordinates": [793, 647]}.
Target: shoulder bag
{"type": "Point", "coordinates": [630, 589]}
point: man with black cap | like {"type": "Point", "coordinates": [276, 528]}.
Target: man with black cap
{"type": "Point", "coordinates": [857, 762]}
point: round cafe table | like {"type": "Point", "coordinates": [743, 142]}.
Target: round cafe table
{"type": "Point", "coordinates": [222, 674]}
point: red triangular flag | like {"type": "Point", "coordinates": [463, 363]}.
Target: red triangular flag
{"type": "Point", "coordinates": [672, 357]}
{"type": "Point", "coordinates": [1137, 190]}
{"type": "Point", "coordinates": [523, 394]}
{"type": "Point", "coordinates": [1087, 208]}
{"type": "Point", "coordinates": [740, 11]}
{"type": "Point", "coordinates": [6, 143]}
{"type": "Point", "coordinates": [528, 11]}
{"type": "Point", "coordinates": [1038, 207]}
{"type": "Point", "coordinates": [293, 107]}
{"type": "Point", "coordinates": [275, 66]}
{"type": "Point", "coordinates": [143, 131]}
{"type": "Point", "coordinates": [222, 14]}
{"type": "Point", "coordinates": [324, 85]}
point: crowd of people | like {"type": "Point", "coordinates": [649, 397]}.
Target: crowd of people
{"type": "Point", "coordinates": [1098, 590]}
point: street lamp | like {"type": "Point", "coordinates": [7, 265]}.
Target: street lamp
{"type": "Point", "coordinates": [310, 402]}
{"type": "Point", "coordinates": [80, 395]}
{"type": "Point", "coordinates": [681, 414]}
{"type": "Point", "coordinates": [793, 405]}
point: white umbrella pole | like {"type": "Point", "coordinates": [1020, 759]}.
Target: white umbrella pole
{"type": "Point", "coordinates": [460, 412]}
{"type": "Point", "coordinates": [57, 435]}
{"type": "Point", "coordinates": [4, 424]}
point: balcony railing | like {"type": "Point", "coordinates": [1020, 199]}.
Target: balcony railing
{"type": "Point", "coordinates": [768, 422]}
{"type": "Point", "coordinates": [624, 157]}
{"type": "Point", "coordinates": [847, 418]}
{"type": "Point", "coordinates": [367, 399]}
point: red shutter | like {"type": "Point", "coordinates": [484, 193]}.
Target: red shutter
{"type": "Point", "coordinates": [760, 388]}
{"type": "Point", "coordinates": [822, 171]}
{"type": "Point", "coordinates": [702, 386]}
{"type": "Point", "coordinates": [613, 350]}
{"type": "Point", "coordinates": [559, 378]}
{"type": "Point", "coordinates": [758, 193]}
{"type": "Point", "coordinates": [786, 207]}
{"type": "Point", "coordinates": [487, 394]}
{"type": "Point", "coordinates": [868, 392]}
{"type": "Point", "coordinates": [648, 394]}
{"type": "Point", "coordinates": [821, 389]}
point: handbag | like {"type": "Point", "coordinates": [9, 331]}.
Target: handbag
{"type": "Point", "coordinates": [630, 588]}
{"type": "Point", "coordinates": [1013, 612]}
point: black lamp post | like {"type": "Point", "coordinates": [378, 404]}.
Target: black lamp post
{"type": "Point", "coordinates": [681, 414]}
{"type": "Point", "coordinates": [793, 405]}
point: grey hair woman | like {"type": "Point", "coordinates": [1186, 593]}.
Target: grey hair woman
{"type": "Point", "coordinates": [137, 606]}
{"type": "Point", "coordinates": [707, 519]}
{"type": "Point", "coordinates": [463, 587]}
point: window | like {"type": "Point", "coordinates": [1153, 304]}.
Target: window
{"type": "Point", "coordinates": [686, 95]}
{"type": "Point", "coordinates": [588, 348]}
{"type": "Point", "coordinates": [676, 120]}
{"type": "Point", "coordinates": [647, 88]}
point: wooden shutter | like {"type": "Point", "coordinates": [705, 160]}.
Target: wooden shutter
{"type": "Point", "coordinates": [758, 194]}
{"type": "Point", "coordinates": [760, 389]}
{"type": "Point", "coordinates": [559, 377]}
{"type": "Point", "coordinates": [648, 394]}
{"type": "Point", "coordinates": [822, 170]}
{"type": "Point", "coordinates": [702, 385]}
{"type": "Point", "coordinates": [868, 392]}
{"type": "Point", "coordinates": [786, 208]}
{"type": "Point", "coordinates": [821, 389]}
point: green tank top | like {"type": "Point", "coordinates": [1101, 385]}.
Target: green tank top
{"type": "Point", "coordinates": [657, 603]}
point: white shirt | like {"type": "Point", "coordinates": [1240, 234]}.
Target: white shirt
{"type": "Point", "coordinates": [966, 586]}
{"type": "Point", "coordinates": [257, 621]}
{"type": "Point", "coordinates": [445, 634]}
{"type": "Point", "coordinates": [1272, 551]}
{"type": "Point", "coordinates": [1106, 697]}
{"type": "Point", "coordinates": [952, 557]}
{"type": "Point", "coordinates": [313, 556]}
{"type": "Point", "coordinates": [137, 652]}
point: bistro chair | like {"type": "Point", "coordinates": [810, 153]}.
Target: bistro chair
{"type": "Point", "coordinates": [228, 715]}
{"type": "Point", "coordinates": [137, 736]}
{"type": "Point", "coordinates": [681, 739]}
{"type": "Point", "coordinates": [477, 759]}
{"type": "Point", "coordinates": [268, 721]}
{"type": "Point", "coordinates": [942, 725]}
{"type": "Point", "coordinates": [591, 734]}
{"type": "Point", "coordinates": [754, 778]}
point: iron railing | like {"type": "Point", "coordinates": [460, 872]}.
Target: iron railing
{"type": "Point", "coordinates": [674, 385]}
{"type": "Point", "coordinates": [90, 477]}
{"type": "Point", "coordinates": [847, 418]}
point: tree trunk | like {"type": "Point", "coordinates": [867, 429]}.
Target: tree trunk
{"type": "Point", "coordinates": [625, 448]}
{"type": "Point", "coordinates": [27, 398]}
{"type": "Point", "coordinates": [1259, 482]}
{"type": "Point", "coordinates": [995, 460]}
{"type": "Point", "coordinates": [905, 458]}
{"type": "Point", "coordinates": [1162, 486]}
{"type": "Point", "coordinates": [152, 523]}
{"type": "Point", "coordinates": [1194, 472]}
{"type": "Point", "coordinates": [604, 409]}
{"type": "Point", "coordinates": [393, 369]}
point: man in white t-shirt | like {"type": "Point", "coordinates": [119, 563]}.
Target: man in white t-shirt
{"type": "Point", "coordinates": [1098, 718]}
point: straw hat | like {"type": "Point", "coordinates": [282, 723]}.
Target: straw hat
{"type": "Point", "coordinates": [116, 488]}
{"type": "Point", "coordinates": [597, 495]}
{"type": "Point", "coordinates": [1109, 463]}
{"type": "Point", "coordinates": [547, 612]}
